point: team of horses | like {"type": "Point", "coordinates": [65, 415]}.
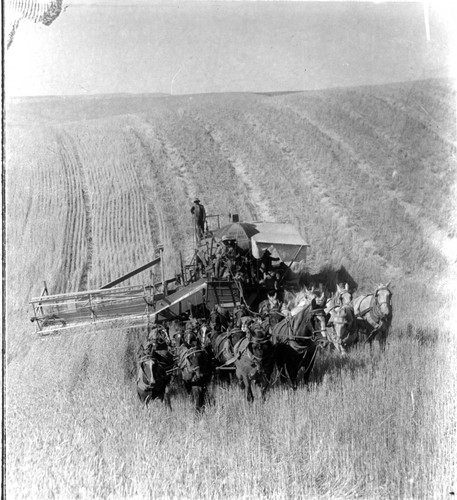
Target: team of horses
{"type": "Point", "coordinates": [280, 338]}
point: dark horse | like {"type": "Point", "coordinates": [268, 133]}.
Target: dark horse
{"type": "Point", "coordinates": [155, 363]}
{"type": "Point", "coordinates": [373, 314]}
{"type": "Point", "coordinates": [223, 344]}
{"type": "Point", "coordinates": [296, 340]}
{"type": "Point", "coordinates": [254, 362]}
{"type": "Point", "coordinates": [194, 362]}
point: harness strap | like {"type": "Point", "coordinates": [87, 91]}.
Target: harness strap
{"type": "Point", "coordinates": [229, 361]}
{"type": "Point", "coordinates": [183, 356]}
{"type": "Point", "coordinates": [258, 341]}
{"type": "Point", "coordinates": [365, 311]}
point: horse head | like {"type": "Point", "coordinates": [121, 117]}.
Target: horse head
{"type": "Point", "coordinates": [158, 338]}
{"type": "Point", "coordinates": [383, 298]}
{"type": "Point", "coordinates": [245, 323]}
{"type": "Point", "coordinates": [205, 333]}
{"type": "Point", "coordinates": [149, 369]}
{"type": "Point", "coordinates": [343, 321]}
{"type": "Point", "coordinates": [344, 295]}
{"type": "Point", "coordinates": [152, 380]}
{"type": "Point", "coordinates": [195, 366]}
{"type": "Point", "coordinates": [190, 339]}
{"type": "Point", "coordinates": [238, 313]}
{"type": "Point", "coordinates": [273, 300]}
{"type": "Point", "coordinates": [319, 324]}
{"type": "Point", "coordinates": [259, 341]}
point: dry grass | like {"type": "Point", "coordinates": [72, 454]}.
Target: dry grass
{"type": "Point", "coordinates": [89, 200]}
{"type": "Point", "coordinates": [372, 426]}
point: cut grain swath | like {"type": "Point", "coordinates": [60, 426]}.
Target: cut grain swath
{"type": "Point", "coordinates": [120, 232]}
{"type": "Point", "coordinates": [165, 193]}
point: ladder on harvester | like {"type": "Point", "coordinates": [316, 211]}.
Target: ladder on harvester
{"type": "Point", "coordinates": [222, 292]}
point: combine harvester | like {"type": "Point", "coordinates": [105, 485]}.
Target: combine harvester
{"type": "Point", "coordinates": [194, 291]}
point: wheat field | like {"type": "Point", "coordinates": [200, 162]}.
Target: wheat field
{"type": "Point", "coordinates": [93, 186]}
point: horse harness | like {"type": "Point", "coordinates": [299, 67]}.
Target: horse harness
{"type": "Point", "coordinates": [160, 357]}
{"type": "Point", "coordinates": [375, 305]}
{"type": "Point", "coordinates": [184, 361]}
{"type": "Point", "coordinates": [240, 349]}
{"type": "Point", "coordinates": [312, 337]}
{"type": "Point", "coordinates": [337, 320]}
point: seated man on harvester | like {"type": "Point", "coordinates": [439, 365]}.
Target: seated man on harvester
{"type": "Point", "coordinates": [228, 257]}
{"type": "Point", "coordinates": [266, 263]}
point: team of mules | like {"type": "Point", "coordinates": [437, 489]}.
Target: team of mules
{"type": "Point", "coordinates": [285, 335]}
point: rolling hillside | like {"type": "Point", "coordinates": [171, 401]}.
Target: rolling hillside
{"type": "Point", "coordinates": [94, 184]}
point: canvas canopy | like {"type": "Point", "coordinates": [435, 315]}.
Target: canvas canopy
{"type": "Point", "coordinates": [241, 231]}
{"type": "Point", "coordinates": [284, 240]}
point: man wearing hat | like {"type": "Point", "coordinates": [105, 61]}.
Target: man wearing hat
{"type": "Point", "coordinates": [227, 253]}
{"type": "Point", "coordinates": [199, 215]}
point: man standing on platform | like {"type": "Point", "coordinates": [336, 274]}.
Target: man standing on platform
{"type": "Point", "coordinates": [199, 215]}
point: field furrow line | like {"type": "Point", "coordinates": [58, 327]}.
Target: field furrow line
{"type": "Point", "coordinates": [436, 235]}
{"type": "Point", "coordinates": [119, 241]}
{"type": "Point", "coordinates": [163, 211]}
{"type": "Point", "coordinates": [214, 176]}
{"type": "Point", "coordinates": [86, 233]}
{"type": "Point", "coordinates": [411, 107]}
{"type": "Point", "coordinates": [389, 190]}
{"type": "Point", "coordinates": [310, 179]}
{"type": "Point", "coordinates": [348, 178]}
{"type": "Point", "coordinates": [178, 165]}
{"type": "Point", "coordinates": [260, 208]}
{"type": "Point", "coordinates": [286, 201]}
{"type": "Point", "coordinates": [69, 268]}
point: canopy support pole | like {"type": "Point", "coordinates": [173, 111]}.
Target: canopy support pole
{"type": "Point", "coordinates": [290, 264]}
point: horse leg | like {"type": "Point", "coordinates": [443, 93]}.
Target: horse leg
{"type": "Point", "coordinates": [249, 393]}
{"type": "Point", "coordinates": [264, 386]}
{"type": "Point", "coordinates": [239, 376]}
{"type": "Point", "coordinates": [166, 398]}
{"type": "Point", "coordinates": [281, 365]}
{"type": "Point", "coordinates": [382, 339]}
{"type": "Point", "coordinates": [308, 362]}
{"type": "Point", "coordinates": [141, 395]}
{"type": "Point", "coordinates": [257, 389]}
{"type": "Point", "coordinates": [199, 397]}
{"type": "Point", "coordinates": [292, 372]}
{"type": "Point", "coordinates": [248, 388]}
{"type": "Point", "coordinates": [283, 375]}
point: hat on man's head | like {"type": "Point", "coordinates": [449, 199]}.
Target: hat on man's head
{"type": "Point", "coordinates": [196, 200]}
